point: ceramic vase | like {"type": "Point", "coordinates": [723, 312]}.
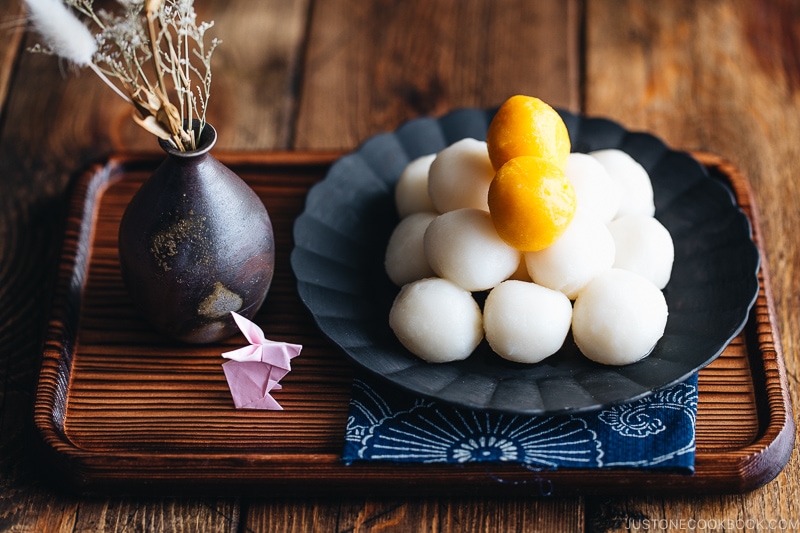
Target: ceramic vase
{"type": "Point", "coordinates": [196, 243]}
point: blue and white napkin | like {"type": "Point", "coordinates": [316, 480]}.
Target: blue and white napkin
{"type": "Point", "coordinates": [657, 432]}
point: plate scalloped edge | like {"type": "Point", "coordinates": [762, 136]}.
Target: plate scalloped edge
{"type": "Point", "coordinates": [338, 261]}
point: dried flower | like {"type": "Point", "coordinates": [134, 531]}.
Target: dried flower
{"type": "Point", "coordinates": [152, 54]}
{"type": "Point", "coordinates": [64, 34]}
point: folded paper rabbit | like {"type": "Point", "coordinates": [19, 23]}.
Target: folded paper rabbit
{"type": "Point", "coordinates": [255, 370]}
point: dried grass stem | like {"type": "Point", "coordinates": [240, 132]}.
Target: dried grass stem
{"type": "Point", "coordinates": [156, 40]}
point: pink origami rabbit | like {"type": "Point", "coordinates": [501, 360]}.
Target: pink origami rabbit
{"type": "Point", "coordinates": [255, 370]}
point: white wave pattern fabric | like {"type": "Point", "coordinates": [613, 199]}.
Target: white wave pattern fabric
{"type": "Point", "coordinates": [657, 432]}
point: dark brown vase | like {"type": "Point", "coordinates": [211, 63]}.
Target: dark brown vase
{"type": "Point", "coordinates": [196, 243]}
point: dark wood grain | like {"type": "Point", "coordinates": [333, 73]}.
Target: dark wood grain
{"type": "Point", "coordinates": [55, 120]}
{"type": "Point", "coordinates": [12, 28]}
{"type": "Point", "coordinates": [371, 65]}
{"type": "Point", "coordinates": [717, 76]}
{"type": "Point", "coordinates": [415, 514]}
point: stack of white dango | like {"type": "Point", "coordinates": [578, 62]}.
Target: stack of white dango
{"type": "Point", "coordinates": [602, 278]}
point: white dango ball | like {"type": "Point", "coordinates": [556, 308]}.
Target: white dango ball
{"type": "Point", "coordinates": [584, 250]}
{"type": "Point", "coordinates": [405, 259]}
{"type": "Point", "coordinates": [464, 247]}
{"type": "Point", "coordinates": [460, 175]}
{"type": "Point", "coordinates": [643, 246]}
{"type": "Point", "coordinates": [436, 320]}
{"type": "Point", "coordinates": [635, 186]}
{"type": "Point", "coordinates": [618, 317]}
{"type": "Point", "coordinates": [524, 322]}
{"type": "Point", "coordinates": [597, 194]}
{"type": "Point", "coordinates": [411, 191]}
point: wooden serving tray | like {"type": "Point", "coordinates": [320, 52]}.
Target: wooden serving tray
{"type": "Point", "coordinates": [121, 409]}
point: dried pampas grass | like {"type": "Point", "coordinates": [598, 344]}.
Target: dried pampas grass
{"type": "Point", "coordinates": [63, 32]}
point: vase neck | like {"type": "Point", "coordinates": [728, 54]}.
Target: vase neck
{"type": "Point", "coordinates": [206, 140]}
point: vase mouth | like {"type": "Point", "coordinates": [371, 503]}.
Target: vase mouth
{"type": "Point", "coordinates": [206, 141]}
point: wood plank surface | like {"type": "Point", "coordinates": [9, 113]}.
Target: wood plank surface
{"type": "Point", "coordinates": [372, 65]}
{"type": "Point", "coordinates": [12, 28]}
{"type": "Point", "coordinates": [722, 77]}
{"type": "Point", "coordinates": [56, 120]}
{"type": "Point", "coordinates": [719, 76]}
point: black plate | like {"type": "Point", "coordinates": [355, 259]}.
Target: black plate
{"type": "Point", "coordinates": [341, 236]}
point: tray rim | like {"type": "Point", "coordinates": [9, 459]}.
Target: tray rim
{"type": "Point", "coordinates": [738, 470]}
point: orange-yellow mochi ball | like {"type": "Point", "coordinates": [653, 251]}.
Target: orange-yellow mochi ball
{"type": "Point", "coordinates": [527, 126]}
{"type": "Point", "coordinates": [531, 202]}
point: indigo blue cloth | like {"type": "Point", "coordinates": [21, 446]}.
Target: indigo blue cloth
{"type": "Point", "coordinates": [657, 432]}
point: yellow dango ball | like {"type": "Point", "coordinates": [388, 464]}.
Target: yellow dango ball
{"type": "Point", "coordinates": [527, 126]}
{"type": "Point", "coordinates": [531, 203]}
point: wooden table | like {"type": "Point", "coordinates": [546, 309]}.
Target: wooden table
{"type": "Point", "coordinates": [721, 77]}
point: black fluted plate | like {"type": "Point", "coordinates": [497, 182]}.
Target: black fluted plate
{"type": "Point", "coordinates": [341, 236]}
